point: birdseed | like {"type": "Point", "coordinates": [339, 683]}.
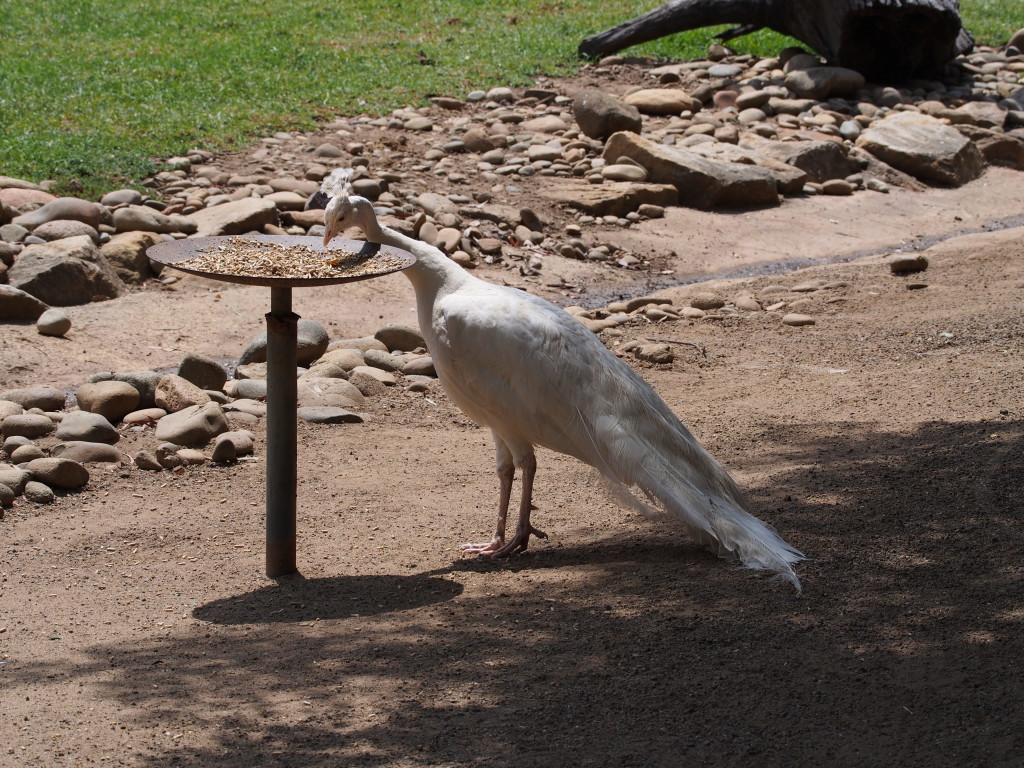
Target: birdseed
{"type": "Point", "coordinates": [254, 258]}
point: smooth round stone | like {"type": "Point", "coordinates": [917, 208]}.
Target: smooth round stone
{"type": "Point", "coordinates": [838, 187]}
{"type": "Point", "coordinates": [58, 472]}
{"type": "Point", "coordinates": [724, 70]}
{"type": "Point", "coordinates": [7, 497]}
{"type": "Point", "coordinates": [144, 416]}
{"type": "Point", "coordinates": [624, 172]}
{"type": "Point", "coordinates": [796, 319]}
{"type": "Point", "coordinates": [14, 441]}
{"type": "Point", "coordinates": [43, 397]}
{"type": "Point", "coordinates": [231, 445]}
{"type": "Point", "coordinates": [30, 425]}
{"type": "Point", "coordinates": [747, 304]}
{"type": "Point", "coordinates": [14, 479]}
{"type": "Point", "coordinates": [706, 300]}
{"type": "Point", "coordinates": [24, 453]}
{"type": "Point", "coordinates": [191, 457]}
{"type": "Point", "coordinates": [196, 425]}
{"type": "Point", "coordinates": [85, 452]}
{"type": "Point", "coordinates": [203, 371]}
{"type": "Point", "coordinates": [122, 197]}
{"type": "Point", "coordinates": [751, 115]}
{"type": "Point", "coordinates": [500, 94]}
{"type": "Point", "coordinates": [53, 322]}
{"type": "Point", "coordinates": [90, 427]}
{"type": "Point", "coordinates": [807, 286]}
{"type": "Point", "coordinates": [322, 414]}
{"type": "Point", "coordinates": [400, 337]}
{"type": "Point", "coordinates": [38, 493]}
{"type": "Point", "coordinates": [660, 354]}
{"type": "Point", "coordinates": [111, 399]}
{"type": "Point", "coordinates": [247, 406]}
{"type": "Point", "coordinates": [251, 389]}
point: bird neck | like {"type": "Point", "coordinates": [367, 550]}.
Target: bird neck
{"type": "Point", "coordinates": [432, 274]}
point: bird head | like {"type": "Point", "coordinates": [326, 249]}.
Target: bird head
{"type": "Point", "coordinates": [340, 212]}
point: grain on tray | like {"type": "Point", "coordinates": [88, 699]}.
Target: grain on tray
{"type": "Point", "coordinates": [255, 258]}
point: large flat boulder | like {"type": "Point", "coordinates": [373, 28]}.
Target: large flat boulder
{"type": "Point", "coordinates": [613, 198]}
{"type": "Point", "coordinates": [65, 272]}
{"type": "Point", "coordinates": [701, 182]}
{"type": "Point", "coordinates": [924, 147]}
{"type": "Point", "coordinates": [235, 218]}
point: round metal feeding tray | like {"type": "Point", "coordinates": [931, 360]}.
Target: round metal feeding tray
{"type": "Point", "coordinates": [351, 260]}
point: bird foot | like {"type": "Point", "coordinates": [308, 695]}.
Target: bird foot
{"type": "Point", "coordinates": [498, 548]}
{"type": "Point", "coordinates": [485, 548]}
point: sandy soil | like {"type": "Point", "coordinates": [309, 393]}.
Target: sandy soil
{"type": "Point", "coordinates": [137, 627]}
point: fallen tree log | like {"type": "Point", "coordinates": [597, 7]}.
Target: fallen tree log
{"type": "Point", "coordinates": [882, 39]}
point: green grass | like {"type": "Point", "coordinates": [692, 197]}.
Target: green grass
{"type": "Point", "coordinates": [92, 91]}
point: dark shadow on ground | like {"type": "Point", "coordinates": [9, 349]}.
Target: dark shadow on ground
{"type": "Point", "coordinates": [905, 648]}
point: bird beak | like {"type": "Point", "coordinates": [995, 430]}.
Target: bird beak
{"type": "Point", "coordinates": [328, 236]}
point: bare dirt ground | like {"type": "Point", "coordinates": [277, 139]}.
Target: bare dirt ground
{"type": "Point", "coordinates": [886, 442]}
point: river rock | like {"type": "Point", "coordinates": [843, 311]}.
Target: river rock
{"type": "Point", "coordinates": [401, 337]}
{"type": "Point", "coordinates": [7, 497]}
{"type": "Point", "coordinates": [72, 208]}
{"type": "Point", "coordinates": [126, 254]}
{"type": "Point", "coordinates": [662, 101]}
{"type": "Point", "coordinates": [700, 181]}
{"type": "Point", "coordinates": [43, 397]}
{"type": "Point", "coordinates": [167, 455]}
{"type": "Point", "coordinates": [362, 344]}
{"type": "Point", "coordinates": [821, 83]}
{"type": "Point", "coordinates": [204, 372]}
{"type": "Point", "coordinates": [86, 452]}
{"type": "Point", "coordinates": [250, 389]}
{"type": "Point", "coordinates": [819, 160]}
{"type": "Point", "coordinates": [14, 479]}
{"type": "Point", "coordinates": [332, 392]}
{"type": "Point", "coordinates": [797, 319]}
{"type": "Point", "coordinates": [62, 228]}
{"type": "Point", "coordinates": [121, 197]}
{"type": "Point", "coordinates": [660, 354]}
{"type": "Point", "coordinates": [191, 457]}
{"type": "Point", "coordinates": [111, 399]}
{"type": "Point", "coordinates": [194, 425]}
{"type": "Point", "coordinates": [89, 427]}
{"type": "Point", "coordinates": [706, 300]}
{"type": "Point", "coordinates": [614, 198]}
{"type": "Point", "coordinates": [65, 272]}
{"type": "Point", "coordinates": [336, 364]}
{"type": "Point", "coordinates": [30, 425]}
{"type": "Point", "coordinates": [9, 408]}
{"type": "Point", "coordinates": [58, 472]}
{"type": "Point", "coordinates": [16, 304]}
{"type": "Point", "coordinates": [384, 361]}
{"type": "Point", "coordinates": [421, 365]}
{"type": "Point", "coordinates": [39, 493]}
{"type": "Point", "coordinates": [53, 322]}
{"type": "Point", "coordinates": [312, 340]}
{"type": "Point", "coordinates": [231, 445]}
{"type": "Point", "coordinates": [235, 218]}
{"type": "Point", "coordinates": [600, 114]}
{"type": "Point", "coordinates": [145, 382]}
{"type": "Point", "coordinates": [144, 416]}
{"type": "Point", "coordinates": [147, 460]}
{"type": "Point", "coordinates": [923, 147]}
{"type": "Point", "coordinates": [174, 393]}
{"type": "Point", "coordinates": [330, 415]}
{"type": "Point", "coordinates": [27, 452]}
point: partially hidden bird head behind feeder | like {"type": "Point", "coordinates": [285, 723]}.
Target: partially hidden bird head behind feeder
{"type": "Point", "coordinates": [336, 187]}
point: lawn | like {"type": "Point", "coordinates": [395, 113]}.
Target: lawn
{"type": "Point", "coordinates": [92, 91]}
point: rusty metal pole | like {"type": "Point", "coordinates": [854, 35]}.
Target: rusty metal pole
{"type": "Point", "coordinates": [282, 344]}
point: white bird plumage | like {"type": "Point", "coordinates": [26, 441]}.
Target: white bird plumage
{"type": "Point", "coordinates": [536, 376]}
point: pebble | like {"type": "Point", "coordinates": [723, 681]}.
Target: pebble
{"type": "Point", "coordinates": [30, 425]}
{"type": "Point", "coordinates": [53, 322]}
{"type": "Point", "coordinates": [85, 452]}
{"type": "Point", "coordinates": [111, 399]}
{"type": "Point", "coordinates": [38, 493]}
{"type": "Point", "coordinates": [903, 264]}
{"type": "Point", "coordinates": [796, 319]}
{"type": "Point", "coordinates": [91, 427]}
{"type": "Point", "coordinates": [706, 300]}
{"type": "Point", "coordinates": [195, 425]}
{"type": "Point", "coordinates": [23, 453]}
{"type": "Point", "coordinates": [58, 472]}
{"type": "Point", "coordinates": [330, 415]}
{"type": "Point", "coordinates": [7, 497]}
{"type": "Point", "coordinates": [174, 393]}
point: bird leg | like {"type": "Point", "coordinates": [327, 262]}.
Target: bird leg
{"type": "Point", "coordinates": [521, 540]}
{"type": "Point", "coordinates": [506, 471]}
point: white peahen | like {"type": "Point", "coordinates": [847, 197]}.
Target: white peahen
{"type": "Point", "coordinates": [535, 375]}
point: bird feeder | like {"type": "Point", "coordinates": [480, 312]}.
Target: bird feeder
{"type": "Point", "coordinates": [282, 351]}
